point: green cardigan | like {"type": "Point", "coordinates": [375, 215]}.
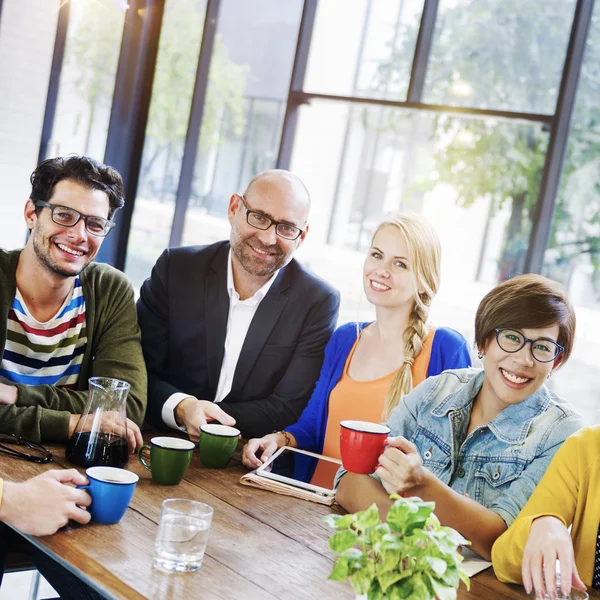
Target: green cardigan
{"type": "Point", "coordinates": [113, 349]}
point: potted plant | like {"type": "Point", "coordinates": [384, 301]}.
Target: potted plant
{"type": "Point", "coordinates": [410, 556]}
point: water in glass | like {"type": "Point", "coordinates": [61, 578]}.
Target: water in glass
{"type": "Point", "coordinates": [182, 535]}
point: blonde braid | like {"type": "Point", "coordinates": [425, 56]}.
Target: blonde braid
{"type": "Point", "coordinates": [414, 337]}
{"type": "Point", "coordinates": [425, 257]}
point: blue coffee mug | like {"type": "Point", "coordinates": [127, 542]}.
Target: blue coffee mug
{"type": "Point", "coordinates": [111, 490]}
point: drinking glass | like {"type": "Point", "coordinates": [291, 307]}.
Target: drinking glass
{"type": "Point", "coordinates": [574, 595]}
{"type": "Point", "coordinates": [182, 535]}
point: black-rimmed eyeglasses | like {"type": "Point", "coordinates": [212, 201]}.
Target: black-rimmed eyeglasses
{"type": "Point", "coordinates": [542, 349]}
{"type": "Point", "coordinates": [69, 217]}
{"type": "Point", "coordinates": [17, 447]}
{"type": "Point", "coordinates": [260, 221]}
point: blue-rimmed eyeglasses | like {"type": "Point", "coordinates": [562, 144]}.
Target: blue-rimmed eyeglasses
{"type": "Point", "coordinates": [69, 217]}
{"type": "Point", "coordinates": [260, 221]}
{"type": "Point", "coordinates": [542, 349]}
{"type": "Point", "coordinates": [17, 447]}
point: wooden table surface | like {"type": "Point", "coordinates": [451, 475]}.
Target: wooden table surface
{"type": "Point", "coordinates": [261, 546]}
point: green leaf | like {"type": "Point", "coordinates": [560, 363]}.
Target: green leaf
{"type": "Point", "coordinates": [391, 559]}
{"type": "Point", "coordinates": [464, 578]}
{"type": "Point", "coordinates": [420, 591]}
{"type": "Point", "coordinates": [388, 579]}
{"type": "Point", "coordinates": [401, 591]}
{"type": "Point", "coordinates": [340, 569]}
{"type": "Point", "coordinates": [451, 577]}
{"type": "Point", "coordinates": [368, 518]}
{"type": "Point", "coordinates": [341, 541]}
{"type": "Point", "coordinates": [442, 591]}
{"type": "Point", "coordinates": [379, 532]}
{"type": "Point", "coordinates": [438, 565]}
{"type": "Point", "coordinates": [375, 592]}
{"type": "Point", "coordinates": [338, 521]}
{"type": "Point", "coordinates": [331, 520]}
{"type": "Point", "coordinates": [354, 554]}
{"type": "Point", "coordinates": [361, 578]}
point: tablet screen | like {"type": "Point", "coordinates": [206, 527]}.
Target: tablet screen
{"type": "Point", "coordinates": [315, 470]}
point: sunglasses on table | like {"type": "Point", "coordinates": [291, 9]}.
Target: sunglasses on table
{"type": "Point", "coordinates": [18, 447]}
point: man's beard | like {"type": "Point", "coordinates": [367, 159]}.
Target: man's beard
{"type": "Point", "coordinates": [251, 264]}
{"type": "Point", "coordinates": [45, 258]}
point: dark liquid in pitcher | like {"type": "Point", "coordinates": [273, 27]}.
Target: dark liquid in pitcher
{"type": "Point", "coordinates": [89, 450]}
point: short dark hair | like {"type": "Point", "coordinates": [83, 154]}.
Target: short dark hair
{"type": "Point", "coordinates": [526, 302]}
{"type": "Point", "coordinates": [84, 170]}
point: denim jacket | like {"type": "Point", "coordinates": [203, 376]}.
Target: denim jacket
{"type": "Point", "coordinates": [498, 464]}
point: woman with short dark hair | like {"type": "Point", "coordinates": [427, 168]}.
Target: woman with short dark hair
{"type": "Point", "coordinates": [477, 441]}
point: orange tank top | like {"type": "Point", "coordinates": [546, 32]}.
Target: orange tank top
{"type": "Point", "coordinates": [364, 400]}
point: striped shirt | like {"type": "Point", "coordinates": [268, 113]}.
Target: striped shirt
{"type": "Point", "coordinates": [45, 353]}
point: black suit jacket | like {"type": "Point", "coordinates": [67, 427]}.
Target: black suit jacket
{"type": "Point", "coordinates": [183, 310]}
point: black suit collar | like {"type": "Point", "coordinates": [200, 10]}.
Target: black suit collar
{"type": "Point", "coordinates": [217, 312]}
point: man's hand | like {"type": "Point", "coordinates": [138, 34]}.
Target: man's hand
{"type": "Point", "coordinates": [192, 414]}
{"type": "Point", "coordinates": [548, 541]}
{"type": "Point", "coordinates": [110, 424]}
{"type": "Point", "coordinates": [44, 504]}
{"type": "Point", "coordinates": [400, 466]}
{"type": "Point", "coordinates": [9, 394]}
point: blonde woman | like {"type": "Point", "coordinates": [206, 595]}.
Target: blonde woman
{"type": "Point", "coordinates": [368, 367]}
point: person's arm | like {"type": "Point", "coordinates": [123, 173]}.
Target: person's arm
{"type": "Point", "coordinates": [256, 418]}
{"type": "Point", "coordinates": [43, 412]}
{"type": "Point", "coordinates": [117, 352]}
{"type": "Point", "coordinates": [45, 503]}
{"type": "Point", "coordinates": [556, 497]}
{"type": "Point", "coordinates": [303, 433]}
{"type": "Point", "coordinates": [153, 315]}
{"type": "Point", "coordinates": [401, 471]}
{"type": "Point", "coordinates": [450, 351]}
{"type": "Point", "coordinates": [357, 492]}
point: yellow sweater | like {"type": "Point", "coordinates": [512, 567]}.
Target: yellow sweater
{"type": "Point", "coordinates": [570, 491]}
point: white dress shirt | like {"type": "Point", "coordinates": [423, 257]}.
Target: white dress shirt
{"type": "Point", "coordinates": [241, 313]}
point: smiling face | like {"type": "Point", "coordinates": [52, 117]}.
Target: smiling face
{"type": "Point", "coordinates": [66, 251]}
{"type": "Point", "coordinates": [388, 278]}
{"type": "Point", "coordinates": [262, 252]}
{"type": "Point", "coordinates": [512, 377]}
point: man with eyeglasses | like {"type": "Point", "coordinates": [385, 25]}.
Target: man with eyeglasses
{"type": "Point", "coordinates": [235, 331]}
{"type": "Point", "coordinates": [63, 317]}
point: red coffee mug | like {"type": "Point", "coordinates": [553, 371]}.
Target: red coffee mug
{"type": "Point", "coordinates": [361, 445]}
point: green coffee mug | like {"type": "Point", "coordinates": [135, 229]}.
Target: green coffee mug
{"type": "Point", "coordinates": [169, 459]}
{"type": "Point", "coordinates": [217, 445]}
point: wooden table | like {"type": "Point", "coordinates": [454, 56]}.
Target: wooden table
{"type": "Point", "coordinates": [261, 546]}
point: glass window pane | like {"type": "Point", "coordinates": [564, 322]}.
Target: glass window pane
{"type": "Point", "coordinates": [27, 33]}
{"type": "Point", "coordinates": [363, 48]}
{"type": "Point", "coordinates": [172, 90]}
{"type": "Point", "coordinates": [87, 78]}
{"type": "Point", "coordinates": [573, 255]}
{"type": "Point", "coordinates": [249, 80]}
{"type": "Point", "coordinates": [362, 163]}
{"type": "Point", "coordinates": [505, 55]}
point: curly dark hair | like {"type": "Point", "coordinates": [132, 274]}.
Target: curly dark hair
{"type": "Point", "coordinates": [84, 170]}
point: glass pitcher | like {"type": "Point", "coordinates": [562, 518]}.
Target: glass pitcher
{"type": "Point", "coordinates": [100, 437]}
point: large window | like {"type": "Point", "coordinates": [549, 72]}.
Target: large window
{"type": "Point", "coordinates": [356, 52]}
{"type": "Point", "coordinates": [245, 104]}
{"type": "Point", "coordinates": [173, 86]}
{"type": "Point", "coordinates": [573, 256]}
{"type": "Point", "coordinates": [87, 78]}
{"type": "Point", "coordinates": [454, 109]}
{"type": "Point", "coordinates": [505, 55]}
{"type": "Point", "coordinates": [376, 161]}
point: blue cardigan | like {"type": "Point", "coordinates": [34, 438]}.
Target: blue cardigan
{"type": "Point", "coordinates": [449, 350]}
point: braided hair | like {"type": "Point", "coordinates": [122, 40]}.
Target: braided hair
{"type": "Point", "coordinates": [425, 251]}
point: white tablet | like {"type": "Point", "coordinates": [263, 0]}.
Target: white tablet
{"type": "Point", "coordinates": [302, 469]}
